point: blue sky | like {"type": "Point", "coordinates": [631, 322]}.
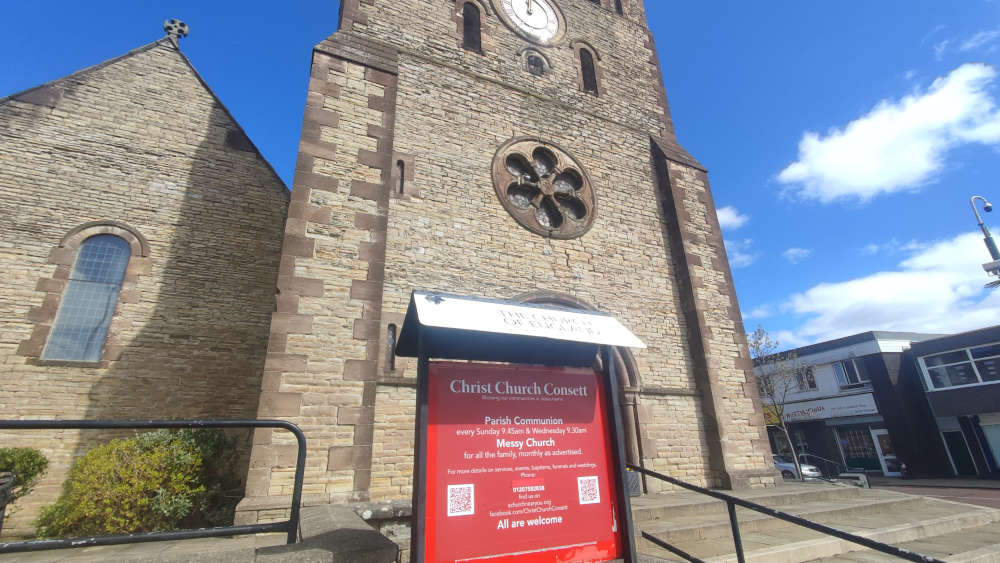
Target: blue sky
{"type": "Point", "coordinates": [843, 139]}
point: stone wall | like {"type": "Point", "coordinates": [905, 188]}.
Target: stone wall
{"type": "Point", "coordinates": [394, 193]}
{"type": "Point", "coordinates": [139, 147]}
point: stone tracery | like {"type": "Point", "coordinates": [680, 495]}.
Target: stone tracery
{"type": "Point", "coordinates": [544, 188]}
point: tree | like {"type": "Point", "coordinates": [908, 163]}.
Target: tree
{"type": "Point", "coordinates": [27, 465]}
{"type": "Point", "coordinates": [779, 374]}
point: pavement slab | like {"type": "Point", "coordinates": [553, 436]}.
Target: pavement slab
{"type": "Point", "coordinates": [936, 527]}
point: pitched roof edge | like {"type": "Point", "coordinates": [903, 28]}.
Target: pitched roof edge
{"type": "Point", "coordinates": [675, 152]}
{"type": "Point", "coordinates": [859, 338]}
{"type": "Point", "coordinates": [229, 114]}
{"type": "Point", "coordinates": [87, 70]}
{"type": "Point", "coordinates": [172, 44]}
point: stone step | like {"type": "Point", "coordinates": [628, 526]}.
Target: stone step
{"type": "Point", "coordinates": [715, 524]}
{"type": "Point", "coordinates": [790, 544]}
{"type": "Point", "coordinates": [972, 545]}
{"type": "Point", "coordinates": [683, 503]}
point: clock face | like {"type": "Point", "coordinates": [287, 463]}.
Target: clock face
{"type": "Point", "coordinates": [537, 20]}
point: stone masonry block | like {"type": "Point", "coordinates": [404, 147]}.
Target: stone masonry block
{"type": "Point", "coordinates": [280, 404]}
{"type": "Point", "coordinates": [359, 370]}
{"type": "Point", "coordinates": [365, 290]}
{"type": "Point", "coordinates": [355, 415]}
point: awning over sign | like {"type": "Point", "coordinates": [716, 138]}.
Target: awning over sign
{"type": "Point", "coordinates": [819, 409]}
{"type": "Point", "coordinates": [457, 327]}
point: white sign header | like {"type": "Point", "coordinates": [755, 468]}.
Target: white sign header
{"type": "Point", "coordinates": [446, 311]}
{"type": "Point", "coordinates": [833, 407]}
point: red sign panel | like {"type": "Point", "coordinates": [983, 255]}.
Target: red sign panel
{"type": "Point", "coordinates": [518, 466]}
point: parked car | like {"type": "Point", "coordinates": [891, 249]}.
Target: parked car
{"type": "Point", "coordinates": [786, 465]}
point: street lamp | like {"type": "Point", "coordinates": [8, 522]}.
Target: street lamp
{"type": "Point", "coordinates": [992, 268]}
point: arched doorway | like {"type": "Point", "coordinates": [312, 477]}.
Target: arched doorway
{"type": "Point", "coordinates": [629, 383]}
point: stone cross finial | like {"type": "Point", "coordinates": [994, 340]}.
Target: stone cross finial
{"type": "Point", "coordinates": [175, 28]}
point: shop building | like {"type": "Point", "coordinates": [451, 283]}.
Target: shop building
{"type": "Point", "coordinates": [848, 408]}
{"type": "Point", "coordinates": [960, 375]}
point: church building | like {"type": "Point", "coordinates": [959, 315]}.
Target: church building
{"type": "Point", "coordinates": [139, 246]}
{"type": "Point", "coordinates": [508, 149]}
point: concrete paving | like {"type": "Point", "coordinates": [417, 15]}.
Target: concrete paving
{"type": "Point", "coordinates": [329, 534]}
{"type": "Point", "coordinates": [978, 544]}
{"type": "Point", "coordinates": [701, 527]}
{"type": "Point", "coordinates": [981, 497]}
{"type": "Point", "coordinates": [954, 531]}
{"type": "Point", "coordinates": [944, 482]}
{"type": "Point", "coordinates": [240, 548]}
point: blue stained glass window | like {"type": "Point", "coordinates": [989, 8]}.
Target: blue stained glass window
{"type": "Point", "coordinates": [89, 301]}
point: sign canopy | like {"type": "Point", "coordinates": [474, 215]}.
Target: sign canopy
{"type": "Point", "coordinates": [467, 328]}
{"type": "Point", "coordinates": [819, 409]}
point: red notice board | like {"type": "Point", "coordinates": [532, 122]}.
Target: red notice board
{"type": "Point", "coordinates": [518, 466]}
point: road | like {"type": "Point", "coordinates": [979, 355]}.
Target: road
{"type": "Point", "coordinates": [981, 497]}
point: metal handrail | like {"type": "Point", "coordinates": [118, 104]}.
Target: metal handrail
{"type": "Point", "coordinates": [289, 527]}
{"type": "Point", "coordinates": [836, 464]}
{"type": "Point", "coordinates": [732, 502]}
{"type": "Point", "coordinates": [821, 458]}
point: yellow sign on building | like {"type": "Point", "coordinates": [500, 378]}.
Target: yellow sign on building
{"type": "Point", "coordinates": [770, 415]}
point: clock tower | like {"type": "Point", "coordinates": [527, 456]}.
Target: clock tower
{"type": "Point", "coordinates": [508, 149]}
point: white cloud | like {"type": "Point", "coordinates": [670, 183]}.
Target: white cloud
{"type": "Point", "coordinates": [980, 39]}
{"type": "Point", "coordinates": [740, 253]}
{"type": "Point", "coordinates": [731, 218]}
{"type": "Point", "coordinates": [796, 255]}
{"type": "Point", "coordinates": [871, 249]}
{"type": "Point", "coordinates": [787, 339]}
{"type": "Point", "coordinates": [937, 29]}
{"type": "Point", "coordinates": [761, 312]}
{"type": "Point", "coordinates": [936, 289]}
{"type": "Point", "coordinates": [893, 247]}
{"type": "Point", "coordinates": [940, 48]}
{"type": "Point", "coordinates": [899, 144]}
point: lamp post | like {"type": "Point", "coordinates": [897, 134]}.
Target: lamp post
{"type": "Point", "coordinates": [993, 267]}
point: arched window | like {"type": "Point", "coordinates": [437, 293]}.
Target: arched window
{"type": "Point", "coordinates": [588, 72]}
{"type": "Point", "coordinates": [472, 39]}
{"type": "Point", "coordinates": [89, 300]}
{"type": "Point", "coordinates": [619, 8]}
{"type": "Point", "coordinates": [536, 65]}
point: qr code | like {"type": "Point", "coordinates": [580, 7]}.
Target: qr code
{"type": "Point", "coordinates": [461, 500]}
{"type": "Point", "coordinates": [590, 493]}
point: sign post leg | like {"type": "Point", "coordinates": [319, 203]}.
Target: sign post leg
{"type": "Point", "coordinates": [618, 450]}
{"type": "Point", "coordinates": [418, 525]}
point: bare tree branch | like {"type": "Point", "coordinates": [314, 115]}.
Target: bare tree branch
{"type": "Point", "coordinates": [779, 374]}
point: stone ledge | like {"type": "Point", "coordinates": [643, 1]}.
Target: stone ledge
{"type": "Point", "coordinates": [383, 510]}
{"type": "Point", "coordinates": [248, 508]}
{"type": "Point", "coordinates": [334, 533]}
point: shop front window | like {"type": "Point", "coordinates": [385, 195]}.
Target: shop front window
{"type": "Point", "coordinates": [990, 423]}
{"type": "Point", "coordinates": [858, 448]}
{"type": "Point", "coordinates": [851, 374]}
{"type": "Point", "coordinates": [970, 366]}
{"type": "Point", "coordinates": [805, 379]}
{"type": "Point", "coordinates": [987, 362]}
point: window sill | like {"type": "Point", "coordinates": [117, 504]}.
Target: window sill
{"type": "Point", "coordinates": [69, 363]}
{"type": "Point", "coordinates": [966, 386]}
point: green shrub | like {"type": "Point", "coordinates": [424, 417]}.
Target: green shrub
{"type": "Point", "coordinates": [155, 481]}
{"type": "Point", "coordinates": [27, 465]}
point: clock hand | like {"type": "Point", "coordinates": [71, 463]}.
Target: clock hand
{"type": "Point", "coordinates": [529, 3]}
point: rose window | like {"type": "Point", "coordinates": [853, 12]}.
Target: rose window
{"type": "Point", "coordinates": [543, 188]}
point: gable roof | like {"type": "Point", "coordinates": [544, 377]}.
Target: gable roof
{"type": "Point", "coordinates": [48, 94]}
{"type": "Point", "coordinates": [870, 336]}
{"type": "Point", "coordinates": [980, 336]}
